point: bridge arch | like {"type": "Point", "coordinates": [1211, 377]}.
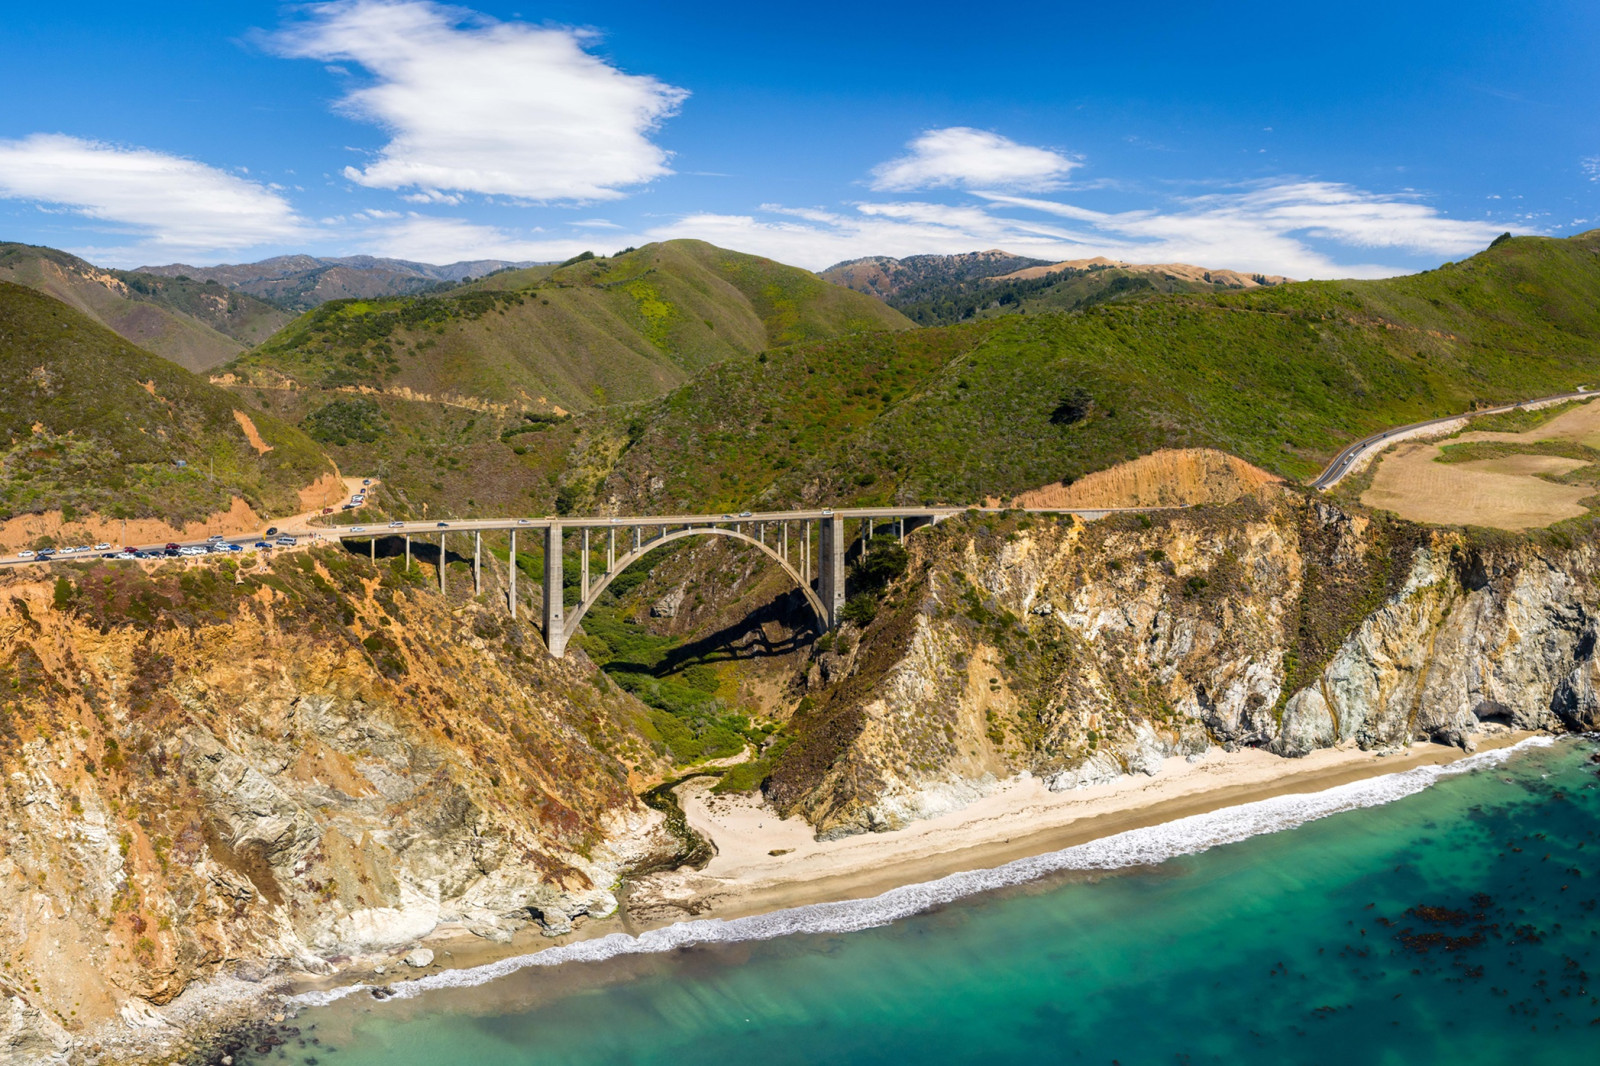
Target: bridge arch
{"type": "Point", "coordinates": [569, 627]}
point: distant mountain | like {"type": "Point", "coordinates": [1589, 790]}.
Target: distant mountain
{"type": "Point", "coordinates": [193, 323]}
{"type": "Point", "coordinates": [938, 290]}
{"type": "Point", "coordinates": [1227, 279]}
{"type": "Point", "coordinates": [301, 282]}
{"type": "Point", "coordinates": [89, 423]}
{"type": "Point", "coordinates": [886, 278]}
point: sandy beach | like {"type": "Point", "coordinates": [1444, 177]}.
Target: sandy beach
{"type": "Point", "coordinates": [1020, 818]}
{"type": "Point", "coordinates": [766, 863]}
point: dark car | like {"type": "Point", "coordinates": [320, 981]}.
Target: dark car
{"type": "Point", "coordinates": [270, 531]}
{"type": "Point", "coordinates": [171, 553]}
{"type": "Point", "coordinates": [444, 525]}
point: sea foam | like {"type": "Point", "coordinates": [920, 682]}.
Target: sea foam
{"type": "Point", "coordinates": [1135, 847]}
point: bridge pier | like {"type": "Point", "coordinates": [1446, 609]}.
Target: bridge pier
{"type": "Point", "coordinates": [513, 594]}
{"type": "Point", "coordinates": [477, 564]}
{"type": "Point", "coordinates": [408, 553]}
{"type": "Point", "coordinates": [441, 564]}
{"type": "Point", "coordinates": [830, 566]}
{"type": "Point", "coordinates": [583, 583]}
{"type": "Point", "coordinates": [555, 628]}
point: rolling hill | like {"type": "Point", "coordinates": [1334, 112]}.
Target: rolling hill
{"type": "Point", "coordinates": [91, 423]}
{"type": "Point", "coordinates": [196, 324]}
{"type": "Point", "coordinates": [1281, 376]}
{"type": "Point", "coordinates": [301, 282]}
{"type": "Point", "coordinates": [579, 336]}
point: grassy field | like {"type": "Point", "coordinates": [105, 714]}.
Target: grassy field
{"type": "Point", "coordinates": [90, 423]}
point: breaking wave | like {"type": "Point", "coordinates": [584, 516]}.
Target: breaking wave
{"type": "Point", "coordinates": [1135, 847]}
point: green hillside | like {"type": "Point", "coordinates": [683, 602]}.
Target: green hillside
{"type": "Point", "coordinates": [196, 324]}
{"type": "Point", "coordinates": [89, 422]}
{"type": "Point", "coordinates": [576, 337]}
{"type": "Point", "coordinates": [1282, 376]}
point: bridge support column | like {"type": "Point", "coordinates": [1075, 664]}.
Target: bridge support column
{"type": "Point", "coordinates": [805, 551]}
{"type": "Point", "coordinates": [584, 584]}
{"type": "Point", "coordinates": [900, 528]}
{"type": "Point", "coordinates": [441, 564]}
{"type": "Point", "coordinates": [611, 549]}
{"type": "Point", "coordinates": [408, 553]}
{"type": "Point", "coordinates": [555, 622]}
{"type": "Point", "coordinates": [786, 542]}
{"type": "Point", "coordinates": [372, 548]}
{"type": "Point", "coordinates": [830, 566]}
{"type": "Point", "coordinates": [477, 564]}
{"type": "Point", "coordinates": [513, 594]}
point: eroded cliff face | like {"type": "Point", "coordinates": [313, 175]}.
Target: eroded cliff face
{"type": "Point", "coordinates": [1078, 652]}
{"type": "Point", "coordinates": [244, 771]}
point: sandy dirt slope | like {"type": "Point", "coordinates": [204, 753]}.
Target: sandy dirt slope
{"type": "Point", "coordinates": [1167, 478]}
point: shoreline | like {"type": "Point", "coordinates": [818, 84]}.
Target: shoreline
{"type": "Point", "coordinates": [1019, 819]}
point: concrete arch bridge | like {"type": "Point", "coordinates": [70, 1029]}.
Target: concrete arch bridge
{"type": "Point", "coordinates": [811, 547]}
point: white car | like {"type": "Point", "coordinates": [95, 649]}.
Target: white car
{"type": "Point", "coordinates": [358, 529]}
{"type": "Point", "coordinates": [396, 523]}
{"type": "Point", "coordinates": [102, 547]}
{"type": "Point", "coordinates": [25, 555]}
{"type": "Point", "coordinates": [191, 550]}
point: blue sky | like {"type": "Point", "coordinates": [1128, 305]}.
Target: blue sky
{"type": "Point", "coordinates": [1357, 139]}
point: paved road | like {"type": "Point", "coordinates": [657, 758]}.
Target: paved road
{"type": "Point", "coordinates": [297, 525]}
{"type": "Point", "coordinates": [1346, 461]}
{"type": "Point", "coordinates": [362, 532]}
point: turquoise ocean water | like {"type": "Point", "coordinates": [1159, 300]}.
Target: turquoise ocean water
{"type": "Point", "coordinates": [1424, 917]}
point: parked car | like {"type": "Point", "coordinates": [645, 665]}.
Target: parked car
{"type": "Point", "coordinates": [45, 553]}
{"type": "Point", "coordinates": [366, 481]}
{"type": "Point", "coordinates": [327, 510]}
{"type": "Point", "coordinates": [234, 547]}
{"type": "Point", "coordinates": [262, 544]}
{"type": "Point", "coordinates": [25, 555]}
{"type": "Point", "coordinates": [102, 547]}
{"type": "Point", "coordinates": [270, 531]}
{"type": "Point", "coordinates": [288, 541]}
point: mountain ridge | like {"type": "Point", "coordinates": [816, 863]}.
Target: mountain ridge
{"type": "Point", "coordinates": [194, 324]}
{"type": "Point", "coordinates": [300, 282]}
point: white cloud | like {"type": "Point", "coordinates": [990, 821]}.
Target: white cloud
{"type": "Point", "coordinates": [431, 239]}
{"type": "Point", "coordinates": [1276, 228]}
{"type": "Point", "coordinates": [962, 157]}
{"type": "Point", "coordinates": [165, 203]}
{"type": "Point", "coordinates": [1591, 167]}
{"type": "Point", "coordinates": [479, 106]}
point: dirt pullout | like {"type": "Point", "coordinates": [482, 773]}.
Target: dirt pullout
{"type": "Point", "coordinates": [24, 530]}
{"type": "Point", "coordinates": [1512, 491]}
{"type": "Point", "coordinates": [1171, 477]}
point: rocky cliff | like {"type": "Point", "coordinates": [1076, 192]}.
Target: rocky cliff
{"type": "Point", "coordinates": [1079, 652]}
{"type": "Point", "coordinates": [228, 771]}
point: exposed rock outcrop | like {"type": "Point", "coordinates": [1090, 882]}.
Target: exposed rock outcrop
{"type": "Point", "coordinates": [221, 772]}
{"type": "Point", "coordinates": [1078, 652]}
